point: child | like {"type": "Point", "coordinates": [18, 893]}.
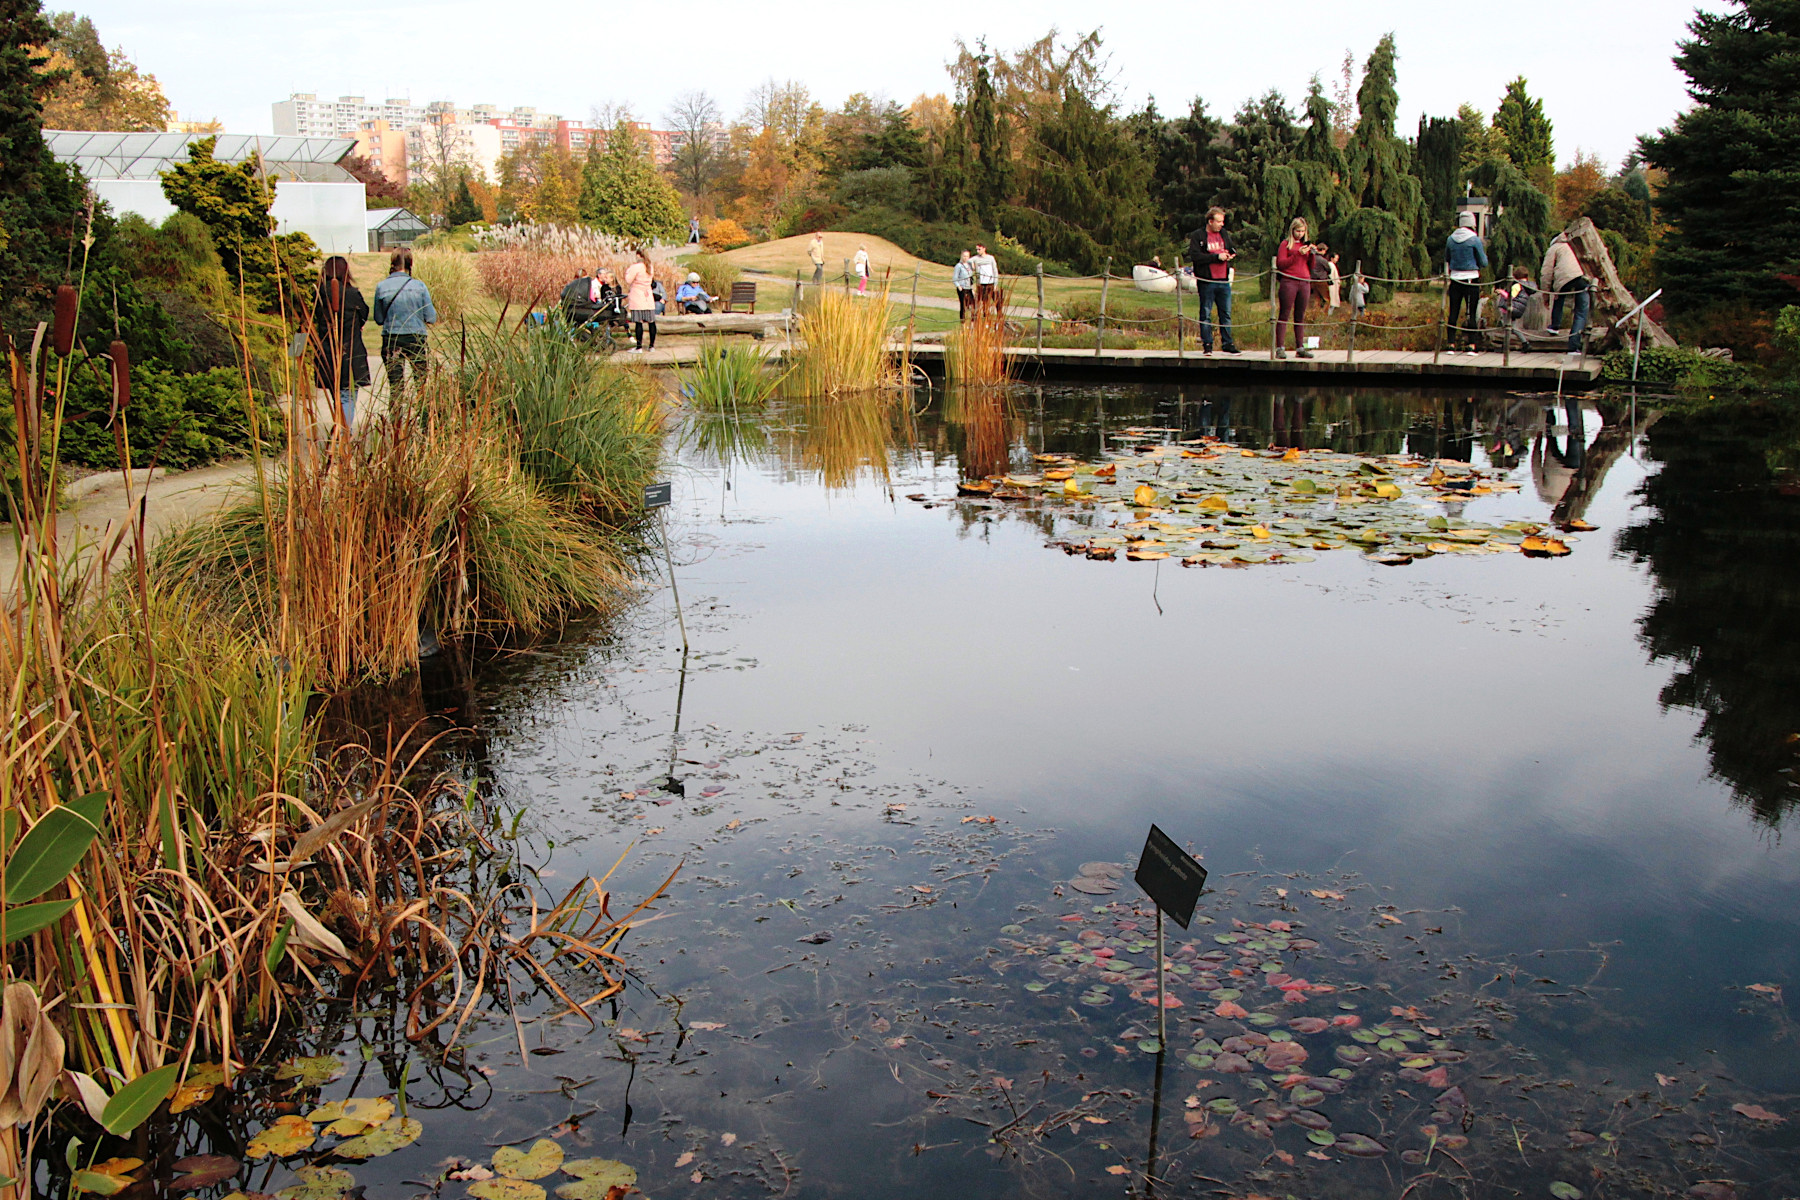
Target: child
{"type": "Point", "coordinates": [1359, 295]}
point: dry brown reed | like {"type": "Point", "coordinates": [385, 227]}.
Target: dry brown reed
{"type": "Point", "coordinates": [845, 346]}
{"type": "Point", "coordinates": [975, 353]}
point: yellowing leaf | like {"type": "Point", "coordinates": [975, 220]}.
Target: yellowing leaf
{"type": "Point", "coordinates": [506, 1189]}
{"type": "Point", "coordinates": [544, 1157]}
{"type": "Point", "coordinates": [1388, 491]}
{"type": "Point", "coordinates": [319, 1183]}
{"type": "Point", "coordinates": [1143, 495]}
{"type": "Point", "coordinates": [288, 1135]}
{"type": "Point", "coordinates": [1116, 1169]}
{"type": "Point", "coordinates": [310, 1072]}
{"type": "Point", "coordinates": [198, 1087]}
{"type": "Point", "coordinates": [1259, 532]}
{"type": "Point", "coordinates": [1216, 502]}
{"type": "Point", "coordinates": [1544, 547]}
{"type": "Point", "coordinates": [351, 1117]}
{"type": "Point", "coordinates": [396, 1133]}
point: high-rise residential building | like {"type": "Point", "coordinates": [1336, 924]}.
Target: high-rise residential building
{"type": "Point", "coordinates": [305, 115]}
{"type": "Point", "coordinates": [442, 143]}
{"type": "Point", "coordinates": [385, 146]}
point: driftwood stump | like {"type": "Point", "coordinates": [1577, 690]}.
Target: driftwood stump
{"type": "Point", "coordinates": [1612, 299]}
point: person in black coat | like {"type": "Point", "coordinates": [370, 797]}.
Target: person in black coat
{"type": "Point", "coordinates": [1209, 249]}
{"type": "Point", "coordinates": [340, 359]}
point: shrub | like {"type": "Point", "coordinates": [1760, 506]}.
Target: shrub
{"type": "Point", "coordinates": [942, 241]}
{"type": "Point", "coordinates": [724, 234]}
{"type": "Point", "coordinates": [455, 284]}
{"type": "Point", "coordinates": [1786, 337]}
{"type": "Point", "coordinates": [174, 420]}
{"type": "Point", "coordinates": [716, 274]}
{"type": "Point", "coordinates": [877, 187]}
{"type": "Point", "coordinates": [1679, 365]}
{"type": "Point", "coordinates": [1743, 327]}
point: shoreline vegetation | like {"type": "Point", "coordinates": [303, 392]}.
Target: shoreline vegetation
{"type": "Point", "coordinates": [187, 866]}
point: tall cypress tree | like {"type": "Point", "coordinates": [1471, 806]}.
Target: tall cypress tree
{"type": "Point", "coordinates": [990, 157]}
{"type": "Point", "coordinates": [1261, 134]}
{"type": "Point", "coordinates": [1386, 231]}
{"type": "Point", "coordinates": [1311, 183]}
{"type": "Point", "coordinates": [1438, 155]}
{"type": "Point", "coordinates": [1186, 177]}
{"type": "Point", "coordinates": [1731, 161]}
{"type": "Point", "coordinates": [1529, 141]}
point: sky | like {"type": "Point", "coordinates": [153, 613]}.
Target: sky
{"type": "Point", "coordinates": [1603, 71]}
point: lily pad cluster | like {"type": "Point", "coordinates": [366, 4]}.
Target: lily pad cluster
{"type": "Point", "coordinates": [1205, 503]}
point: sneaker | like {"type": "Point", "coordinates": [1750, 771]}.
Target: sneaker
{"type": "Point", "coordinates": [1280, 353]}
{"type": "Point", "coordinates": [1231, 349]}
{"type": "Point", "coordinates": [1206, 350]}
{"type": "Point", "coordinates": [1303, 354]}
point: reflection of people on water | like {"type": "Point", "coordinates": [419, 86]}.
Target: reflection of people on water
{"type": "Point", "coordinates": [1554, 461]}
{"type": "Point", "coordinates": [1509, 420]}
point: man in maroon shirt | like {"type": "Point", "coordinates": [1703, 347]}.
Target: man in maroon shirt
{"type": "Point", "coordinates": [1211, 252]}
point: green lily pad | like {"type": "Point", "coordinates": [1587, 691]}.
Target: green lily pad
{"type": "Point", "coordinates": [595, 1176]}
{"type": "Point", "coordinates": [506, 1188]}
{"type": "Point", "coordinates": [544, 1157]}
{"type": "Point", "coordinates": [319, 1183]}
{"type": "Point", "coordinates": [311, 1072]}
{"type": "Point", "coordinates": [395, 1133]}
{"type": "Point", "coordinates": [1036, 987]}
{"type": "Point", "coordinates": [1565, 1191]}
{"type": "Point", "coordinates": [1321, 1137]}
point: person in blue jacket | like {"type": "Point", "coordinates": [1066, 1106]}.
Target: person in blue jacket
{"type": "Point", "coordinates": [1464, 258]}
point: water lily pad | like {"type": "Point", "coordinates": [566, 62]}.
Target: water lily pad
{"type": "Point", "coordinates": [1321, 1137]}
{"type": "Point", "coordinates": [311, 1072]}
{"type": "Point", "coordinates": [393, 1134]}
{"type": "Point", "coordinates": [1565, 1191]}
{"type": "Point", "coordinates": [1036, 987]}
{"type": "Point", "coordinates": [506, 1188]}
{"type": "Point", "coordinates": [319, 1183]}
{"type": "Point", "coordinates": [1360, 1145]}
{"type": "Point", "coordinates": [544, 1157]}
{"type": "Point", "coordinates": [288, 1135]}
{"type": "Point", "coordinates": [202, 1170]}
{"type": "Point", "coordinates": [347, 1118]}
{"type": "Point", "coordinates": [1149, 1046]}
{"type": "Point", "coordinates": [605, 1171]}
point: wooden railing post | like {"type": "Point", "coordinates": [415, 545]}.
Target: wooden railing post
{"type": "Point", "coordinates": [1040, 312]}
{"type": "Point", "coordinates": [1100, 328]}
{"type": "Point", "coordinates": [1179, 322]}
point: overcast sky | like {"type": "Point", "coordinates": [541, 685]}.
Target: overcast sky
{"type": "Point", "coordinates": [1602, 67]}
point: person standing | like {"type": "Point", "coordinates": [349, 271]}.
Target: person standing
{"type": "Point", "coordinates": [1321, 276]}
{"type": "Point", "coordinates": [1293, 278]}
{"type": "Point", "coordinates": [640, 300]}
{"type": "Point", "coordinates": [404, 311]}
{"type": "Point", "coordinates": [340, 360]}
{"type": "Point", "coordinates": [1464, 257]}
{"type": "Point", "coordinates": [1333, 291]}
{"type": "Point", "coordinates": [987, 281]}
{"type": "Point", "coordinates": [1211, 252]}
{"type": "Point", "coordinates": [816, 252]}
{"type": "Point", "coordinates": [964, 279]}
{"type": "Point", "coordinates": [694, 230]}
{"type": "Point", "coordinates": [1562, 277]}
{"type": "Point", "coordinates": [861, 266]}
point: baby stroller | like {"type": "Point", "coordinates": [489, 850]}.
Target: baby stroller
{"type": "Point", "coordinates": [589, 321]}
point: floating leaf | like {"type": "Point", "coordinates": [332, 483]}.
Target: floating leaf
{"type": "Point", "coordinates": [1361, 1145]}
{"type": "Point", "coordinates": [393, 1134]}
{"type": "Point", "coordinates": [506, 1188]}
{"type": "Point", "coordinates": [319, 1183]}
{"type": "Point", "coordinates": [1565, 1191]}
{"type": "Point", "coordinates": [608, 1171]}
{"type": "Point", "coordinates": [1150, 1045]}
{"type": "Point", "coordinates": [310, 1072]}
{"type": "Point", "coordinates": [202, 1170]}
{"type": "Point", "coordinates": [1757, 1112]}
{"type": "Point", "coordinates": [202, 1079]}
{"type": "Point", "coordinates": [106, 1178]}
{"type": "Point", "coordinates": [1321, 1137]}
{"type": "Point", "coordinates": [350, 1117]}
{"type": "Point", "coordinates": [1544, 547]}
{"type": "Point", "coordinates": [544, 1157]}
{"type": "Point", "coordinates": [288, 1135]}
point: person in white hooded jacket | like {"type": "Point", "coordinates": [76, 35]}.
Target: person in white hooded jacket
{"type": "Point", "coordinates": [1562, 277]}
{"type": "Point", "coordinates": [1464, 258]}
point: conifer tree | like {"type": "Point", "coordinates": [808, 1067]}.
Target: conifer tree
{"type": "Point", "coordinates": [1731, 161]}
{"type": "Point", "coordinates": [1386, 230]}
{"type": "Point", "coordinates": [623, 193]}
{"type": "Point", "coordinates": [990, 157]}
{"type": "Point", "coordinates": [1311, 183]}
{"type": "Point", "coordinates": [1185, 173]}
{"type": "Point", "coordinates": [276, 271]}
{"type": "Point", "coordinates": [1261, 134]}
{"type": "Point", "coordinates": [1438, 159]}
{"type": "Point", "coordinates": [1528, 135]}
{"type": "Point", "coordinates": [463, 210]}
{"type": "Point", "coordinates": [40, 199]}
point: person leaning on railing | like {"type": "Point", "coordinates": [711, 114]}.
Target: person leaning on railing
{"type": "Point", "coordinates": [1210, 251]}
{"type": "Point", "coordinates": [404, 311]}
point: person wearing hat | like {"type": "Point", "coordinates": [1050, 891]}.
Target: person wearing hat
{"type": "Point", "coordinates": [1464, 257]}
{"type": "Point", "coordinates": [690, 297]}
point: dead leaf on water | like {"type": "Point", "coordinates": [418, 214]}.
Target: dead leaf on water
{"type": "Point", "coordinates": [288, 1135]}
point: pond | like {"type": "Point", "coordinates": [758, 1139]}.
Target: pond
{"type": "Point", "coordinates": [1501, 898]}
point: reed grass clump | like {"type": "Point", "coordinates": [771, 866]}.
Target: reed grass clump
{"type": "Point", "coordinates": [454, 282]}
{"type": "Point", "coordinates": [975, 353]}
{"type": "Point", "coordinates": [731, 377]}
{"type": "Point", "coordinates": [844, 346]}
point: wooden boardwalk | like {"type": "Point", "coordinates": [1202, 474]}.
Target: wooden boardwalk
{"type": "Point", "coordinates": [1488, 367]}
{"type": "Point", "coordinates": [1532, 370]}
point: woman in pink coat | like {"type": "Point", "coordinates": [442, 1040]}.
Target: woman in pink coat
{"type": "Point", "coordinates": [640, 304]}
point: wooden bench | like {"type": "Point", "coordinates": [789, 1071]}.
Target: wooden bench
{"type": "Point", "coordinates": [743, 291]}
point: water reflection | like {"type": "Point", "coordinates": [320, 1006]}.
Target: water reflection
{"type": "Point", "coordinates": [1720, 531]}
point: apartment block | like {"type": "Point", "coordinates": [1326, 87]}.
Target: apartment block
{"type": "Point", "coordinates": [303, 114]}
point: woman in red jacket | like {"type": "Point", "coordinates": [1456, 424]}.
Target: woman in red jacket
{"type": "Point", "coordinates": [1293, 281]}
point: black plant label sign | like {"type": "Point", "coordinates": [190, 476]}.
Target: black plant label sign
{"type": "Point", "coordinates": [657, 495]}
{"type": "Point", "coordinates": [1170, 876]}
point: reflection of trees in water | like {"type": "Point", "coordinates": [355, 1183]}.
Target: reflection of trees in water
{"type": "Point", "coordinates": [1721, 534]}
{"type": "Point", "coordinates": [981, 421]}
{"type": "Point", "coordinates": [844, 439]}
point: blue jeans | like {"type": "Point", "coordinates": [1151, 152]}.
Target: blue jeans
{"type": "Point", "coordinates": [1215, 293]}
{"type": "Point", "coordinates": [1581, 301]}
{"type": "Point", "coordinates": [348, 399]}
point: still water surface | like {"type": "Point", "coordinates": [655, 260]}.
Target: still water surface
{"type": "Point", "coordinates": [1574, 772]}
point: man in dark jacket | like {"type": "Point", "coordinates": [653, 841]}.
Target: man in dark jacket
{"type": "Point", "coordinates": [1211, 252]}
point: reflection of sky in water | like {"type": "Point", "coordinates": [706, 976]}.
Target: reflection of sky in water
{"type": "Point", "coordinates": [1482, 734]}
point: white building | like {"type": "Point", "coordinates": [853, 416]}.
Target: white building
{"type": "Point", "coordinates": [303, 114]}
{"type": "Point", "coordinates": [313, 195]}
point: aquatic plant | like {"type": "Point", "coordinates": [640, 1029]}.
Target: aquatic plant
{"type": "Point", "coordinates": [845, 346]}
{"type": "Point", "coordinates": [975, 353]}
{"type": "Point", "coordinates": [729, 377]}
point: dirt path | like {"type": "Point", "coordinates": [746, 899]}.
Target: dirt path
{"type": "Point", "coordinates": [99, 507]}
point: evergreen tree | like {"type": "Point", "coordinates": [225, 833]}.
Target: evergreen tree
{"type": "Point", "coordinates": [40, 200]}
{"type": "Point", "coordinates": [1186, 177]}
{"type": "Point", "coordinates": [1262, 133]}
{"type": "Point", "coordinates": [463, 210]}
{"type": "Point", "coordinates": [623, 193]}
{"type": "Point", "coordinates": [1386, 231]}
{"type": "Point", "coordinates": [1529, 145]}
{"type": "Point", "coordinates": [989, 154]}
{"type": "Point", "coordinates": [1731, 161]}
{"type": "Point", "coordinates": [1311, 183]}
{"type": "Point", "coordinates": [1086, 189]}
{"type": "Point", "coordinates": [233, 200]}
{"type": "Point", "coordinates": [1438, 158]}
{"type": "Point", "coordinates": [1524, 222]}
